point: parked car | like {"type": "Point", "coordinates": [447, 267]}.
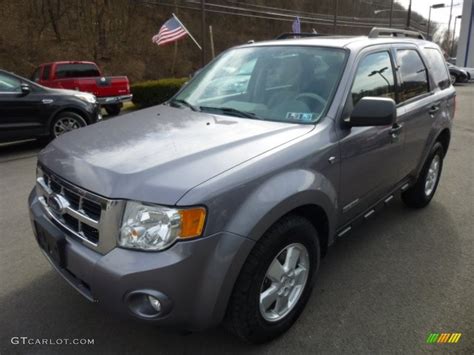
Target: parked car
{"type": "Point", "coordinates": [457, 74]}
{"type": "Point", "coordinates": [111, 91]}
{"type": "Point", "coordinates": [219, 208]}
{"type": "Point", "coordinates": [469, 71]}
{"type": "Point", "coordinates": [29, 110]}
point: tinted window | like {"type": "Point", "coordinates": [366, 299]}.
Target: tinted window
{"type": "Point", "coordinates": [374, 77]}
{"type": "Point", "coordinates": [437, 67]}
{"type": "Point", "coordinates": [76, 71]}
{"type": "Point", "coordinates": [9, 83]}
{"type": "Point", "coordinates": [46, 72]}
{"type": "Point", "coordinates": [413, 73]}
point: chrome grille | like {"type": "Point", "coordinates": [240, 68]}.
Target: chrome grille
{"type": "Point", "coordinates": [89, 217]}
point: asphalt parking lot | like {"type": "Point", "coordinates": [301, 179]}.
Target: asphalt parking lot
{"type": "Point", "coordinates": [382, 289]}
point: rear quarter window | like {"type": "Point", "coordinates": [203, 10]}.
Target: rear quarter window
{"type": "Point", "coordinates": [413, 74]}
{"type": "Point", "coordinates": [437, 67]}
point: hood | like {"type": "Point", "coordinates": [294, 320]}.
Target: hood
{"type": "Point", "coordinates": [158, 154]}
{"type": "Point", "coordinates": [66, 92]}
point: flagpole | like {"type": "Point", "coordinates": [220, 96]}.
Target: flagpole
{"type": "Point", "coordinates": [190, 35]}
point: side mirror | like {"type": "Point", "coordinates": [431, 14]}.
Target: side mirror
{"type": "Point", "coordinates": [25, 89]}
{"type": "Point", "coordinates": [373, 111]}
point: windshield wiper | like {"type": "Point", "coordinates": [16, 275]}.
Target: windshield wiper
{"type": "Point", "coordinates": [230, 111]}
{"type": "Point", "coordinates": [184, 103]}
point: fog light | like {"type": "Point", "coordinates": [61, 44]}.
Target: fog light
{"type": "Point", "coordinates": [148, 304]}
{"type": "Point", "coordinates": [155, 303]}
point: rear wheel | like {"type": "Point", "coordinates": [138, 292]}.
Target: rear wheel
{"type": "Point", "coordinates": [113, 110]}
{"type": "Point", "coordinates": [65, 122]}
{"type": "Point", "coordinates": [454, 79]}
{"type": "Point", "coordinates": [420, 194]}
{"type": "Point", "coordinates": [276, 281]}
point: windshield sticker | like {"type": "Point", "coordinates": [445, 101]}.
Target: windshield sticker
{"type": "Point", "coordinates": [300, 116]}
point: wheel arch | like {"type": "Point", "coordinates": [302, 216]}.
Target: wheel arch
{"type": "Point", "coordinates": [318, 204]}
{"type": "Point", "coordinates": [73, 109]}
{"type": "Point", "coordinates": [319, 219]}
{"type": "Point", "coordinates": [444, 137]}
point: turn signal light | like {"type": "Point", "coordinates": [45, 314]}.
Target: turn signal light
{"type": "Point", "coordinates": [192, 222]}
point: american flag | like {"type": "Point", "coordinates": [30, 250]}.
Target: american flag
{"type": "Point", "coordinates": [171, 31]}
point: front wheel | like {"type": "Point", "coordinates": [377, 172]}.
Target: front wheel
{"type": "Point", "coordinates": [275, 282]}
{"type": "Point", "coordinates": [65, 122]}
{"type": "Point", "coordinates": [420, 194]}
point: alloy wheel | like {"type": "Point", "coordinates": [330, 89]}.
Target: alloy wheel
{"type": "Point", "coordinates": [66, 124]}
{"type": "Point", "coordinates": [284, 282]}
{"type": "Point", "coordinates": [432, 175]}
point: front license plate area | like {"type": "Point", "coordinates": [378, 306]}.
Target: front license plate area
{"type": "Point", "coordinates": [52, 245]}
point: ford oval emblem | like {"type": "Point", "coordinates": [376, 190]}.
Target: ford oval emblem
{"type": "Point", "coordinates": [58, 203]}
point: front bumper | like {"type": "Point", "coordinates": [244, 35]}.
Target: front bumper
{"type": "Point", "coordinates": [195, 277]}
{"type": "Point", "coordinates": [114, 99]}
{"type": "Point", "coordinates": [96, 113]}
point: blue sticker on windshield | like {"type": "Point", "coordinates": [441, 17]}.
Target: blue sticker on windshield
{"type": "Point", "coordinates": [300, 116]}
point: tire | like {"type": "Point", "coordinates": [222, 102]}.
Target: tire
{"type": "Point", "coordinates": [454, 79]}
{"type": "Point", "coordinates": [65, 122]}
{"type": "Point", "coordinates": [113, 110]}
{"type": "Point", "coordinates": [255, 321]}
{"type": "Point", "coordinates": [420, 194]}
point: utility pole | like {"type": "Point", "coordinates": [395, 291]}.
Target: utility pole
{"type": "Point", "coordinates": [409, 15]}
{"type": "Point", "coordinates": [454, 35]}
{"type": "Point", "coordinates": [391, 14]}
{"type": "Point", "coordinates": [450, 16]}
{"type": "Point", "coordinates": [429, 23]}
{"type": "Point", "coordinates": [335, 16]}
{"type": "Point", "coordinates": [434, 6]}
{"type": "Point", "coordinates": [203, 32]}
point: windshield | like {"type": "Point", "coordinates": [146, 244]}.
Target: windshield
{"type": "Point", "coordinates": [282, 83]}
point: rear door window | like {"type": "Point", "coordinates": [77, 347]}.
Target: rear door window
{"type": "Point", "coordinates": [414, 75]}
{"type": "Point", "coordinates": [78, 70]}
{"type": "Point", "coordinates": [374, 77]}
{"type": "Point", "coordinates": [437, 67]}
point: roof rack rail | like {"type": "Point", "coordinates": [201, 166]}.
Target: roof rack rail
{"type": "Point", "coordinates": [287, 35]}
{"type": "Point", "coordinates": [377, 32]}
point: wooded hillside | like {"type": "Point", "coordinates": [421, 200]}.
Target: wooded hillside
{"type": "Point", "coordinates": [117, 33]}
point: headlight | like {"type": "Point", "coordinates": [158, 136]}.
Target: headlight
{"type": "Point", "coordinates": [86, 97]}
{"type": "Point", "coordinates": [149, 227]}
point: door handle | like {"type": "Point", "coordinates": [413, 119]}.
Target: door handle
{"type": "Point", "coordinates": [433, 109]}
{"type": "Point", "coordinates": [395, 130]}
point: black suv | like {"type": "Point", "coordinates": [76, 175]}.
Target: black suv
{"type": "Point", "coordinates": [29, 110]}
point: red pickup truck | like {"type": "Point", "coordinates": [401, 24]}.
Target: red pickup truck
{"type": "Point", "coordinates": [111, 91]}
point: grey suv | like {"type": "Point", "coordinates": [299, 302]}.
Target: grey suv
{"type": "Point", "coordinates": [218, 205]}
